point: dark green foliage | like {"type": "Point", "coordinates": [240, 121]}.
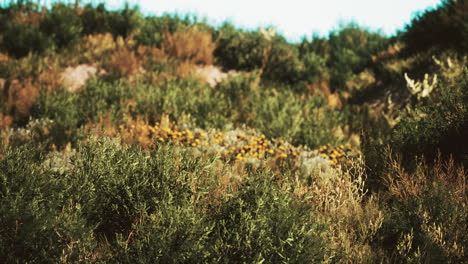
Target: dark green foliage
{"type": "Point", "coordinates": [314, 55]}
{"type": "Point", "coordinates": [351, 50]}
{"type": "Point", "coordinates": [439, 29]}
{"type": "Point", "coordinates": [283, 64]}
{"type": "Point", "coordinates": [239, 50]}
{"type": "Point", "coordinates": [39, 220]}
{"type": "Point", "coordinates": [125, 21]}
{"type": "Point", "coordinates": [347, 51]}
{"type": "Point", "coordinates": [444, 126]}
{"type": "Point", "coordinates": [251, 50]}
{"type": "Point", "coordinates": [19, 39]}
{"type": "Point", "coordinates": [263, 223]}
{"type": "Point", "coordinates": [62, 24]}
{"type": "Point", "coordinates": [96, 19]}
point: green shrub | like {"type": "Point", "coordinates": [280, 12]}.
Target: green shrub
{"type": "Point", "coordinates": [151, 31]}
{"type": "Point", "coordinates": [62, 24]}
{"type": "Point", "coordinates": [119, 183]}
{"type": "Point", "coordinates": [277, 117]}
{"type": "Point", "coordinates": [173, 234]}
{"type": "Point", "coordinates": [263, 223]}
{"type": "Point", "coordinates": [260, 49]}
{"type": "Point", "coordinates": [439, 122]}
{"type": "Point", "coordinates": [19, 39]}
{"type": "Point", "coordinates": [96, 20]}
{"type": "Point", "coordinates": [439, 29]}
{"type": "Point", "coordinates": [239, 50]}
{"type": "Point", "coordinates": [321, 124]}
{"type": "Point", "coordinates": [125, 21]}
{"type": "Point", "coordinates": [351, 50]}
{"type": "Point", "coordinates": [39, 223]}
{"type": "Point", "coordinates": [425, 125]}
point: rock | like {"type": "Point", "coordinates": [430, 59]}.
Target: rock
{"type": "Point", "coordinates": [73, 78]}
{"type": "Point", "coordinates": [213, 75]}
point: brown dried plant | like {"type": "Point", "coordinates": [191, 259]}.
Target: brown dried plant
{"type": "Point", "coordinates": [193, 45]}
{"type": "Point", "coordinates": [4, 57]}
{"type": "Point", "coordinates": [186, 69]}
{"type": "Point", "coordinates": [21, 96]}
{"type": "Point", "coordinates": [5, 121]}
{"type": "Point", "coordinates": [405, 185]}
{"type": "Point", "coordinates": [51, 79]}
{"type": "Point", "coordinates": [125, 62]}
{"type": "Point", "coordinates": [28, 15]}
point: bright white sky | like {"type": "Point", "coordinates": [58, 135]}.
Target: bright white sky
{"type": "Point", "coordinates": [294, 18]}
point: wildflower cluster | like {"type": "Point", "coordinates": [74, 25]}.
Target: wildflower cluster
{"type": "Point", "coordinates": [240, 144]}
{"type": "Point", "coordinates": [338, 155]}
{"type": "Point", "coordinates": [144, 134]}
{"type": "Point", "coordinates": [250, 146]}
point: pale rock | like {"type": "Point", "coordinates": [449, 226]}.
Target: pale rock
{"type": "Point", "coordinates": [73, 78]}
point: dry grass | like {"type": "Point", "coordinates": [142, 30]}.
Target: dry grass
{"type": "Point", "coordinates": [193, 45]}
{"type": "Point", "coordinates": [406, 185]}
{"type": "Point", "coordinates": [437, 228]}
{"type": "Point", "coordinates": [321, 88]}
{"type": "Point", "coordinates": [186, 70]}
{"type": "Point", "coordinates": [352, 218]}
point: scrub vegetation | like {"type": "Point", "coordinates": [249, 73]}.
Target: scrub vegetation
{"type": "Point", "coordinates": [161, 139]}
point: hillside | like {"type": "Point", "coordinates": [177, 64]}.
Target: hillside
{"type": "Point", "coordinates": [140, 139]}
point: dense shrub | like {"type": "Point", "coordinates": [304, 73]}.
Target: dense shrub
{"type": "Point", "coordinates": [264, 223]}
{"type": "Point", "coordinates": [424, 126]}
{"type": "Point", "coordinates": [439, 29]}
{"type": "Point", "coordinates": [140, 206]}
{"type": "Point", "coordinates": [150, 33]}
{"type": "Point", "coordinates": [347, 51]}
{"type": "Point", "coordinates": [438, 123]}
{"type": "Point", "coordinates": [351, 50]}
{"type": "Point", "coordinates": [19, 39]}
{"type": "Point", "coordinates": [427, 215]}
{"type": "Point", "coordinates": [96, 19]}
{"type": "Point", "coordinates": [261, 49]}
{"type": "Point", "coordinates": [62, 24]}
{"type": "Point", "coordinates": [40, 221]}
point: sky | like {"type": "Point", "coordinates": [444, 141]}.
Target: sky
{"type": "Point", "coordinates": [295, 18]}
